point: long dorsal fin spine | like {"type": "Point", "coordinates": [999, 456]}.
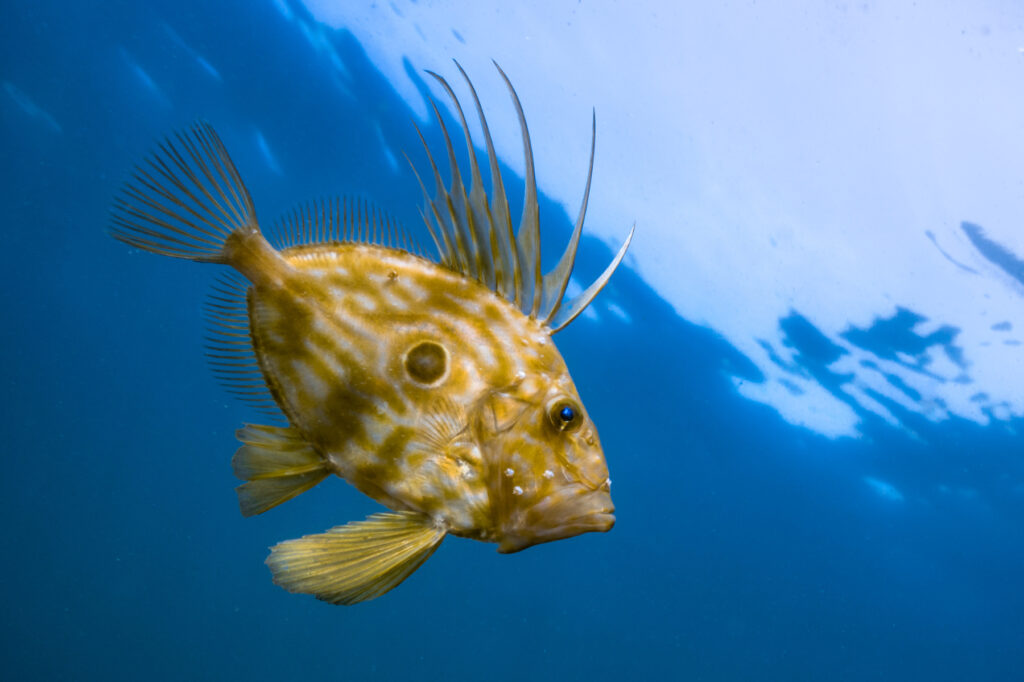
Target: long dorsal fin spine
{"type": "Point", "coordinates": [501, 223]}
{"type": "Point", "coordinates": [568, 313]}
{"type": "Point", "coordinates": [446, 250]}
{"type": "Point", "coordinates": [443, 214]}
{"type": "Point", "coordinates": [455, 240]}
{"type": "Point", "coordinates": [433, 236]}
{"type": "Point", "coordinates": [509, 262]}
{"type": "Point", "coordinates": [452, 197]}
{"type": "Point", "coordinates": [442, 255]}
{"type": "Point", "coordinates": [556, 281]}
{"type": "Point", "coordinates": [528, 236]}
{"type": "Point", "coordinates": [458, 204]}
{"type": "Point", "coordinates": [478, 213]}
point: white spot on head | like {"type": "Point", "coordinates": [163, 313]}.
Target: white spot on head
{"type": "Point", "coordinates": [517, 490]}
{"type": "Point", "coordinates": [510, 472]}
{"type": "Point", "coordinates": [549, 474]}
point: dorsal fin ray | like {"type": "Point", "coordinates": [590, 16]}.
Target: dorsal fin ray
{"type": "Point", "coordinates": [478, 214]}
{"type": "Point", "coordinates": [479, 260]}
{"type": "Point", "coordinates": [338, 220]}
{"type": "Point", "coordinates": [454, 254]}
{"type": "Point", "coordinates": [576, 306]}
{"type": "Point", "coordinates": [501, 223]}
{"type": "Point", "coordinates": [513, 270]}
{"type": "Point", "coordinates": [528, 236]}
{"type": "Point", "coordinates": [556, 281]}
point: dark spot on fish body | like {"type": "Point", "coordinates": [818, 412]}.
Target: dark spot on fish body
{"type": "Point", "coordinates": [427, 362]}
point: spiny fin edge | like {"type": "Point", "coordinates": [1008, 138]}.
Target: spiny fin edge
{"type": "Point", "coordinates": [185, 200]}
{"type": "Point", "coordinates": [473, 234]}
{"type": "Point", "coordinates": [341, 220]}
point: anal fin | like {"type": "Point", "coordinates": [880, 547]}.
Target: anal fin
{"type": "Point", "coordinates": [358, 561]}
{"type": "Point", "coordinates": [277, 465]}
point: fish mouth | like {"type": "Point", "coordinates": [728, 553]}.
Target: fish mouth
{"type": "Point", "coordinates": [558, 517]}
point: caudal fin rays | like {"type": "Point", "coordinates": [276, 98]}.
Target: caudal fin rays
{"type": "Point", "coordinates": [185, 199]}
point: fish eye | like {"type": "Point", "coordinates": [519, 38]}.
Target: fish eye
{"type": "Point", "coordinates": [565, 415]}
{"type": "Point", "coordinates": [426, 362]}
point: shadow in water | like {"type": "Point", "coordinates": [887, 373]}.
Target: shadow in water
{"type": "Point", "coordinates": [994, 252]}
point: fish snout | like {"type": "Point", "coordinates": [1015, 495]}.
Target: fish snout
{"type": "Point", "coordinates": [557, 517]}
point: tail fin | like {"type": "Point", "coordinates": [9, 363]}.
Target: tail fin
{"type": "Point", "coordinates": [185, 200]}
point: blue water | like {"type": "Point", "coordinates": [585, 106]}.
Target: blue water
{"type": "Point", "coordinates": [745, 549]}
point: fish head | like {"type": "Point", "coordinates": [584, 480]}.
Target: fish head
{"type": "Point", "coordinates": [548, 476]}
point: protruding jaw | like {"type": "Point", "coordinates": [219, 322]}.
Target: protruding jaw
{"type": "Point", "coordinates": [570, 511]}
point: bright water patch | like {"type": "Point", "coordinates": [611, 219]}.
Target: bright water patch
{"type": "Point", "coordinates": [777, 175]}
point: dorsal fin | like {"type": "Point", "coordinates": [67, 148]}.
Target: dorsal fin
{"type": "Point", "coordinates": [341, 220]}
{"type": "Point", "coordinates": [473, 232]}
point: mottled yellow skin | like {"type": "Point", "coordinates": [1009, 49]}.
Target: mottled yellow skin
{"type": "Point", "coordinates": [476, 449]}
{"type": "Point", "coordinates": [433, 388]}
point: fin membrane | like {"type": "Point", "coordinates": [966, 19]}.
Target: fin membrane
{"type": "Point", "coordinates": [229, 348]}
{"type": "Point", "coordinates": [185, 200]}
{"type": "Point", "coordinates": [341, 220]}
{"type": "Point", "coordinates": [358, 561]}
{"type": "Point", "coordinates": [473, 231]}
{"type": "Point", "coordinates": [277, 465]}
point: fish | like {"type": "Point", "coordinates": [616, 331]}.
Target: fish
{"type": "Point", "coordinates": [430, 384]}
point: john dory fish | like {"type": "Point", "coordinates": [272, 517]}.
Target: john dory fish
{"type": "Point", "coordinates": [432, 387]}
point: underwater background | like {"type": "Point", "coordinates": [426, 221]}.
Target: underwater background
{"type": "Point", "coordinates": [836, 494]}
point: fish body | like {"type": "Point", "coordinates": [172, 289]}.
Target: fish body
{"type": "Point", "coordinates": [432, 387]}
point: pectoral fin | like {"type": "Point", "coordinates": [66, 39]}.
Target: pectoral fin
{"type": "Point", "coordinates": [278, 465]}
{"type": "Point", "coordinates": [358, 561]}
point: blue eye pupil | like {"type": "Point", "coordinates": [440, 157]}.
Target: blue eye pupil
{"type": "Point", "coordinates": [567, 414]}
